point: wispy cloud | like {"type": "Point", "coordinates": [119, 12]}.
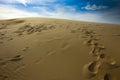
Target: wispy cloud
{"type": "Point", "coordinates": [25, 2]}
{"type": "Point", "coordinates": [59, 11]}
{"type": "Point", "coordinates": [66, 12]}
{"type": "Point", "coordinates": [8, 12]}
{"type": "Point", "coordinates": [94, 7]}
{"type": "Point", "coordinates": [69, 12]}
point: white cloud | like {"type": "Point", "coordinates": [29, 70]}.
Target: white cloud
{"type": "Point", "coordinates": [8, 12]}
{"type": "Point", "coordinates": [25, 2]}
{"type": "Point", "coordinates": [64, 12]}
{"type": "Point", "coordinates": [94, 7]}
{"type": "Point", "coordinates": [67, 12]}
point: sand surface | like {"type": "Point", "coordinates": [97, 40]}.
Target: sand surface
{"type": "Point", "coordinates": [56, 49]}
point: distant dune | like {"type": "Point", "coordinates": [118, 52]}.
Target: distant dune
{"type": "Point", "coordinates": [57, 49]}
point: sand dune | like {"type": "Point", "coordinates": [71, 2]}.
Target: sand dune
{"type": "Point", "coordinates": [57, 49]}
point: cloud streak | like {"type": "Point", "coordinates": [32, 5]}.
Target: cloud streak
{"type": "Point", "coordinates": [64, 12]}
{"type": "Point", "coordinates": [25, 2]}
{"type": "Point", "coordinates": [8, 12]}
{"type": "Point", "coordinates": [58, 11]}
{"type": "Point", "coordinates": [94, 7]}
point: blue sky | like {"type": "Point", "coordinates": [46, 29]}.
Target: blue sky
{"type": "Point", "coordinates": [106, 11]}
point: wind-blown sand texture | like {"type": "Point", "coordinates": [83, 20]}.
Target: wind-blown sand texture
{"type": "Point", "coordinates": [57, 49]}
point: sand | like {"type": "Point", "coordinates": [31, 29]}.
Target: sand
{"type": "Point", "coordinates": [57, 49]}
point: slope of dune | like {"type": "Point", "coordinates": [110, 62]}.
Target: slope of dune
{"type": "Point", "coordinates": [57, 49]}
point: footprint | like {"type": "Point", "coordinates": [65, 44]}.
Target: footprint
{"type": "Point", "coordinates": [88, 33]}
{"type": "Point", "coordinates": [101, 47]}
{"type": "Point", "coordinates": [101, 56]}
{"type": "Point", "coordinates": [94, 43]}
{"type": "Point", "coordinates": [89, 41]}
{"type": "Point", "coordinates": [38, 60]}
{"type": "Point", "coordinates": [2, 63]}
{"type": "Point", "coordinates": [91, 69]}
{"type": "Point", "coordinates": [25, 49]}
{"type": "Point", "coordinates": [10, 38]}
{"type": "Point", "coordinates": [94, 66]}
{"type": "Point", "coordinates": [107, 77]}
{"type": "Point", "coordinates": [96, 49]}
{"type": "Point", "coordinates": [16, 58]}
{"type": "Point", "coordinates": [51, 53]}
{"type": "Point", "coordinates": [19, 68]}
{"type": "Point", "coordinates": [112, 63]}
{"type": "Point", "coordinates": [65, 45]}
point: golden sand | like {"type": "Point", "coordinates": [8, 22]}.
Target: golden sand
{"type": "Point", "coordinates": [57, 49]}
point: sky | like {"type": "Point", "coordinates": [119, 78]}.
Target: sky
{"type": "Point", "coordinates": [105, 11]}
